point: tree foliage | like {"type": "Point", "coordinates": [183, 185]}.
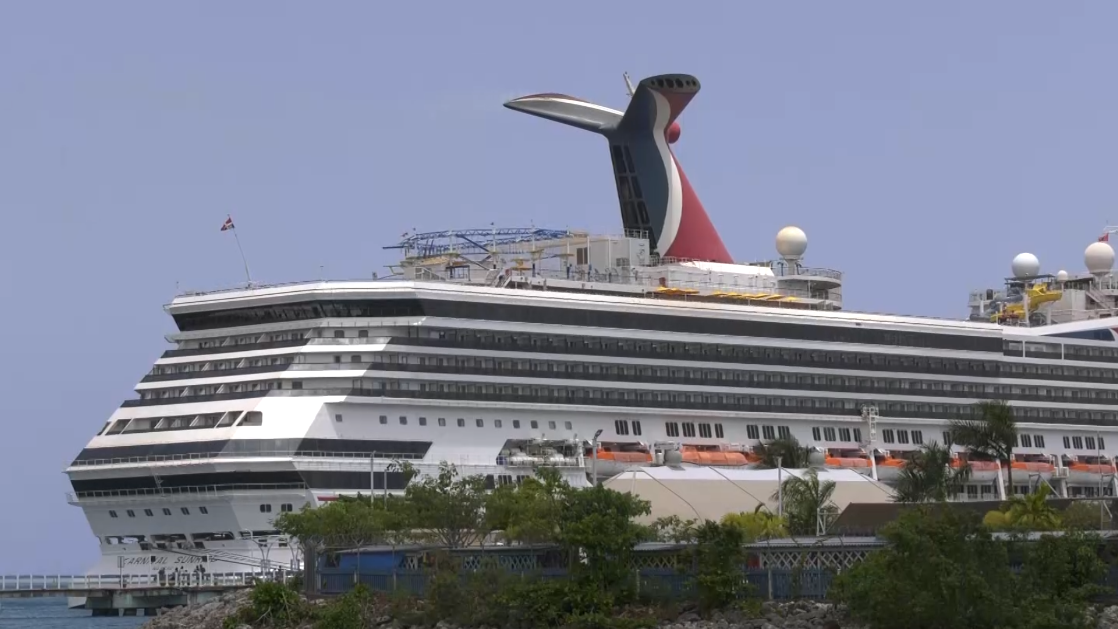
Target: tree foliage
{"type": "Point", "coordinates": [758, 525]}
{"type": "Point", "coordinates": [808, 504]}
{"type": "Point", "coordinates": [1032, 512]}
{"type": "Point", "coordinates": [992, 434]}
{"type": "Point", "coordinates": [598, 525]}
{"type": "Point", "coordinates": [787, 450]}
{"type": "Point", "coordinates": [942, 569]}
{"type": "Point", "coordinates": [929, 477]}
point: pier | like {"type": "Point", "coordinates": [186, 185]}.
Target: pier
{"type": "Point", "coordinates": [114, 594]}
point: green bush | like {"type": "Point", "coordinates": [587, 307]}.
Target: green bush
{"type": "Point", "coordinates": [270, 605]}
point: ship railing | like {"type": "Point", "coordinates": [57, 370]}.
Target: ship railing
{"type": "Point", "coordinates": [188, 492]}
{"type": "Point", "coordinates": [89, 582]}
{"type": "Point", "coordinates": [806, 271]}
{"type": "Point", "coordinates": [650, 282]}
{"type": "Point", "coordinates": [255, 454]}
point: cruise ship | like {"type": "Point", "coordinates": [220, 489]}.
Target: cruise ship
{"type": "Point", "coordinates": [499, 350]}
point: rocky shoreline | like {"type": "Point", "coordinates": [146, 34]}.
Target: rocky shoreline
{"type": "Point", "coordinates": [785, 615]}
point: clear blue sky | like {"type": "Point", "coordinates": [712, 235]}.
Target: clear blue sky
{"type": "Point", "coordinates": [919, 145]}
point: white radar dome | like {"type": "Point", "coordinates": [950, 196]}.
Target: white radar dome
{"type": "Point", "coordinates": [791, 242]}
{"type": "Point", "coordinates": [1061, 276]}
{"type": "Point", "coordinates": [1025, 265]}
{"type": "Point", "coordinates": [1099, 258]}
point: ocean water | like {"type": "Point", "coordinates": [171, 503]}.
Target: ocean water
{"type": "Point", "coordinates": [51, 613]}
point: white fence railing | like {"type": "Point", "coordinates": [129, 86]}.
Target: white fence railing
{"type": "Point", "coordinates": [51, 583]}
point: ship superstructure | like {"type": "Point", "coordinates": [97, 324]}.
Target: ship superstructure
{"type": "Point", "coordinates": [500, 350]}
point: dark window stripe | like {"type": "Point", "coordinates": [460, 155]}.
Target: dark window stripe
{"type": "Point", "coordinates": [556, 315]}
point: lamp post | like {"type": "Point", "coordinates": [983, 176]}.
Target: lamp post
{"type": "Point", "coordinates": [779, 488]}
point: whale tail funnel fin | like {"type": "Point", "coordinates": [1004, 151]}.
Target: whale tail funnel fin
{"type": "Point", "coordinates": [654, 194]}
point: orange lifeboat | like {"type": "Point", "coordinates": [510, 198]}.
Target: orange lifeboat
{"type": "Point", "coordinates": [1030, 464]}
{"type": "Point", "coordinates": [1088, 469]}
{"type": "Point", "coordinates": [981, 471]}
{"type": "Point", "coordinates": [614, 458]}
{"type": "Point", "coordinates": [717, 456]}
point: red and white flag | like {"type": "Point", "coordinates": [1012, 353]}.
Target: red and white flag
{"type": "Point", "coordinates": [1105, 237]}
{"type": "Point", "coordinates": [228, 224]}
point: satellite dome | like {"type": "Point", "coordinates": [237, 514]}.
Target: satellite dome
{"type": "Point", "coordinates": [1025, 265]}
{"type": "Point", "coordinates": [816, 459]}
{"type": "Point", "coordinates": [1099, 258]}
{"type": "Point", "coordinates": [1061, 276]}
{"type": "Point", "coordinates": [791, 243]}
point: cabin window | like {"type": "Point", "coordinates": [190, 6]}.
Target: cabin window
{"type": "Point", "coordinates": [828, 434]}
{"type": "Point", "coordinates": [752, 432]}
{"type": "Point", "coordinates": [422, 421]}
{"type": "Point", "coordinates": [1090, 441]}
{"type": "Point", "coordinates": [516, 423]}
{"type": "Point", "coordinates": [112, 514]}
{"type": "Point", "coordinates": [688, 429]}
{"type": "Point", "coordinates": [461, 422]}
{"type": "Point", "coordinates": [1067, 443]}
{"type": "Point", "coordinates": [844, 434]}
{"type": "Point", "coordinates": [857, 435]}
{"type": "Point", "coordinates": [384, 419]}
{"type": "Point", "coordinates": [1077, 443]}
{"type": "Point", "coordinates": [620, 426]}
{"type": "Point", "coordinates": [784, 431]}
{"type": "Point", "coordinates": [718, 432]}
{"type": "Point", "coordinates": [672, 429]}
{"type": "Point", "coordinates": [148, 513]}
{"type": "Point", "coordinates": [769, 432]}
{"type": "Point", "coordinates": [902, 436]}
{"type": "Point", "coordinates": [1026, 441]}
{"type": "Point", "coordinates": [496, 423]}
{"type": "Point", "coordinates": [918, 437]}
{"type": "Point", "coordinates": [815, 434]}
{"type": "Point", "coordinates": [166, 511]}
{"type": "Point", "coordinates": [887, 436]}
{"type": "Point", "coordinates": [442, 422]}
{"type": "Point", "coordinates": [637, 427]}
{"type": "Point", "coordinates": [704, 431]}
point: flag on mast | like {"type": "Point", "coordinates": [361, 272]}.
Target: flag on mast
{"type": "Point", "coordinates": [1105, 237]}
{"type": "Point", "coordinates": [228, 224]}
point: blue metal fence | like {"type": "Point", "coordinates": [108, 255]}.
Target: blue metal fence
{"type": "Point", "coordinates": [769, 584]}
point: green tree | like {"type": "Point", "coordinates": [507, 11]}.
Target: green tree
{"type": "Point", "coordinates": [596, 526]}
{"type": "Point", "coordinates": [758, 525]}
{"type": "Point", "coordinates": [1085, 515]}
{"type": "Point", "coordinates": [929, 477]}
{"type": "Point", "coordinates": [940, 569]}
{"type": "Point", "coordinates": [1033, 512]}
{"type": "Point", "coordinates": [807, 503]}
{"type": "Point", "coordinates": [992, 434]}
{"type": "Point", "coordinates": [791, 454]}
{"type": "Point", "coordinates": [1060, 575]}
{"type": "Point", "coordinates": [718, 558]}
{"type": "Point", "coordinates": [528, 513]}
{"type": "Point", "coordinates": [674, 529]}
{"type": "Point", "coordinates": [449, 508]}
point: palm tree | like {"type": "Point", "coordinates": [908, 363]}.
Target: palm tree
{"type": "Point", "coordinates": [788, 449]}
{"type": "Point", "coordinates": [928, 476]}
{"type": "Point", "coordinates": [992, 434]}
{"type": "Point", "coordinates": [1033, 512]}
{"type": "Point", "coordinates": [806, 501]}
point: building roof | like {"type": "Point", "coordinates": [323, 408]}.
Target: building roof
{"type": "Point", "coordinates": [706, 493]}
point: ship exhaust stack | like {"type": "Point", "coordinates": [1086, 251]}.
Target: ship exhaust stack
{"type": "Point", "coordinates": [653, 192]}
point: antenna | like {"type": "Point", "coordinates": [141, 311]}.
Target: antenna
{"type": "Point", "coordinates": [628, 84]}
